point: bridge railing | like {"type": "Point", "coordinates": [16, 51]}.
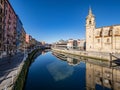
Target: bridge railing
{"type": "Point", "coordinates": [114, 57]}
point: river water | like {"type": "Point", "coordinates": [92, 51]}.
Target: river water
{"type": "Point", "coordinates": [56, 71]}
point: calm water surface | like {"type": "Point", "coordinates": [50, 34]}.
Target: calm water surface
{"type": "Point", "coordinates": [56, 72]}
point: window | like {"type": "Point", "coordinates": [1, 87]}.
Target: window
{"type": "Point", "coordinates": [98, 40]}
{"type": "Point", "coordinates": [108, 40]}
{"type": "Point", "coordinates": [4, 47]}
{"type": "Point", "coordinates": [90, 22]}
{"type": "Point", "coordinates": [1, 2]}
{"type": "Point", "coordinates": [100, 33]}
{"type": "Point", "coordinates": [0, 19]}
{"type": "Point", "coordinates": [0, 45]}
{"type": "Point", "coordinates": [110, 33]}
{"type": "Point", "coordinates": [0, 27]}
{"type": "Point", "coordinates": [0, 36]}
{"type": "Point", "coordinates": [0, 11]}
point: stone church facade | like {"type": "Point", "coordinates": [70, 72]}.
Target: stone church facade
{"type": "Point", "coordinates": [103, 39]}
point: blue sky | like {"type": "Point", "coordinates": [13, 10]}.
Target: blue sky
{"type": "Point", "coordinates": [52, 20]}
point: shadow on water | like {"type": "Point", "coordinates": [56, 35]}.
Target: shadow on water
{"type": "Point", "coordinates": [58, 71]}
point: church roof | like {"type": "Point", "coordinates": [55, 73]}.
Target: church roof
{"type": "Point", "coordinates": [108, 26]}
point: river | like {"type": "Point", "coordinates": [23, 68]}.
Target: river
{"type": "Point", "coordinates": [56, 71]}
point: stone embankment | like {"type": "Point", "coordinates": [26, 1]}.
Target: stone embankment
{"type": "Point", "coordinates": [86, 54]}
{"type": "Point", "coordinates": [20, 79]}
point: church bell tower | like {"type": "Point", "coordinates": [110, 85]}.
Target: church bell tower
{"type": "Point", "coordinates": [90, 27]}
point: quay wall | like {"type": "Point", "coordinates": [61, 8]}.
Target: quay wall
{"type": "Point", "coordinates": [92, 55]}
{"type": "Point", "coordinates": [20, 80]}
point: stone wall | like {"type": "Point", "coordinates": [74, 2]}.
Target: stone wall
{"type": "Point", "coordinates": [87, 54]}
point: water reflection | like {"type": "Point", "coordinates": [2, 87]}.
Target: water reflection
{"type": "Point", "coordinates": [59, 73]}
{"type": "Point", "coordinates": [43, 52]}
{"type": "Point", "coordinates": [70, 59]}
{"type": "Point", "coordinates": [103, 76]}
{"type": "Point", "coordinates": [50, 73]}
{"type": "Point", "coordinates": [99, 76]}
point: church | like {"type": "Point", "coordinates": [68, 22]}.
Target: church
{"type": "Point", "coordinates": [103, 39]}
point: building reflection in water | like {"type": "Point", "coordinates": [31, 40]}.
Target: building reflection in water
{"type": "Point", "coordinates": [72, 61]}
{"type": "Point", "coordinates": [45, 51]}
{"type": "Point", "coordinates": [98, 77]}
{"type": "Point", "coordinates": [103, 76]}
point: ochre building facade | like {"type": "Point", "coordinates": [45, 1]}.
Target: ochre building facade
{"type": "Point", "coordinates": [103, 39]}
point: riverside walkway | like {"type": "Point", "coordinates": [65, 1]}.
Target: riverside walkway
{"type": "Point", "coordinates": [9, 68]}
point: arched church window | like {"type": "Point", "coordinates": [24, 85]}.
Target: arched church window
{"type": "Point", "coordinates": [110, 32]}
{"type": "Point", "coordinates": [101, 31]}
{"type": "Point", "coordinates": [90, 22]}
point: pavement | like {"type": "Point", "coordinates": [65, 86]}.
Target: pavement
{"type": "Point", "coordinates": [9, 67]}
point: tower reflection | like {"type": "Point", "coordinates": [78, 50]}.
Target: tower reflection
{"type": "Point", "coordinates": [103, 77]}
{"type": "Point", "coordinates": [99, 76]}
